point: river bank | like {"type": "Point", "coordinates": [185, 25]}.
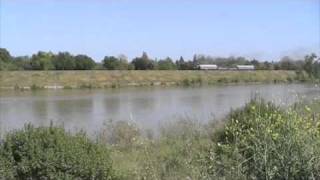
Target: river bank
{"type": "Point", "coordinates": [117, 79]}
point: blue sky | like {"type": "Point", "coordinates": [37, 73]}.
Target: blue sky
{"type": "Point", "coordinates": [256, 29]}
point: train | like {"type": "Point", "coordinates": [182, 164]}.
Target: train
{"type": "Point", "coordinates": [216, 67]}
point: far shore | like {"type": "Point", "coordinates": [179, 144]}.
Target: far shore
{"type": "Point", "coordinates": [31, 80]}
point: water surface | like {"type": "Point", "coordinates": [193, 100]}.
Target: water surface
{"type": "Point", "coordinates": [149, 107]}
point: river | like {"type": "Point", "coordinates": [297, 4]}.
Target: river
{"type": "Point", "coordinates": [148, 107]}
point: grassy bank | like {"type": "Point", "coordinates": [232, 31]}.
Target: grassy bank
{"type": "Point", "coordinates": [114, 79]}
{"type": "Point", "coordinates": [258, 141]}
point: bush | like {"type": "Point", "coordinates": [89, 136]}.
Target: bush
{"type": "Point", "coordinates": [262, 141]}
{"type": "Point", "coordinates": [120, 133]}
{"type": "Point", "coordinates": [51, 153]}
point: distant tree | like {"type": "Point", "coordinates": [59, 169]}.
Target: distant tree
{"type": "Point", "coordinates": [261, 65]}
{"type": "Point", "coordinates": [5, 55]}
{"type": "Point", "coordinates": [166, 64]}
{"type": "Point", "coordinates": [180, 63]}
{"type": "Point", "coordinates": [42, 61]}
{"type": "Point", "coordinates": [316, 69]}
{"type": "Point", "coordinates": [257, 64]}
{"type": "Point", "coordinates": [22, 63]}
{"type": "Point", "coordinates": [64, 61]}
{"type": "Point", "coordinates": [184, 65]}
{"type": "Point", "coordinates": [276, 66]}
{"type": "Point", "coordinates": [310, 64]}
{"type": "Point", "coordinates": [143, 62]}
{"type": "Point", "coordinates": [220, 61]}
{"type": "Point", "coordinates": [84, 62]}
{"type": "Point", "coordinates": [124, 65]}
{"type": "Point", "coordinates": [99, 66]}
{"type": "Point", "coordinates": [267, 65]}
{"type": "Point", "coordinates": [114, 63]}
{"type": "Point", "coordinates": [5, 59]}
{"type": "Point", "coordinates": [286, 63]}
{"type": "Point", "coordinates": [111, 62]}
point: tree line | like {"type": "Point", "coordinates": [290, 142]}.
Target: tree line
{"type": "Point", "coordinates": [66, 61]}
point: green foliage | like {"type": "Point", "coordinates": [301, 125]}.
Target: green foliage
{"type": "Point", "coordinates": [143, 62]}
{"type": "Point", "coordinates": [5, 59]}
{"type": "Point", "coordinates": [183, 65]}
{"type": "Point", "coordinates": [262, 141]}
{"type": "Point", "coordinates": [312, 66]}
{"type": "Point", "coordinates": [6, 66]}
{"type": "Point", "coordinates": [84, 62]}
{"type": "Point", "coordinates": [113, 63]}
{"type": "Point", "coordinates": [288, 64]}
{"type": "Point", "coordinates": [22, 63]}
{"type": "Point", "coordinates": [51, 153]}
{"type": "Point", "coordinates": [42, 61]}
{"type": "Point", "coordinates": [64, 61]}
{"type": "Point", "coordinates": [67, 61]}
{"type": "Point", "coordinates": [166, 64]}
{"type": "Point", "coordinates": [4, 55]}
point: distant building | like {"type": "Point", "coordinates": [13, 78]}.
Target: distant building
{"type": "Point", "coordinates": [227, 69]}
{"type": "Point", "coordinates": [245, 67]}
{"type": "Point", "coordinates": [208, 67]}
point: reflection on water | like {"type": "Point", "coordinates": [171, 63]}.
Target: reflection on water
{"type": "Point", "coordinates": [149, 107]}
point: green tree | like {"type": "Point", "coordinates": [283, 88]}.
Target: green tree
{"type": "Point", "coordinates": [124, 64]}
{"type": "Point", "coordinates": [166, 64]}
{"type": "Point", "coordinates": [5, 59]}
{"type": "Point", "coordinates": [184, 65]}
{"type": "Point", "coordinates": [114, 63]}
{"type": "Point", "coordinates": [110, 62]}
{"type": "Point", "coordinates": [84, 62]}
{"type": "Point", "coordinates": [267, 65]}
{"type": "Point", "coordinates": [64, 61]}
{"type": "Point", "coordinates": [309, 61]}
{"type": "Point", "coordinates": [22, 63]}
{"type": "Point", "coordinates": [42, 61]}
{"type": "Point", "coordinates": [5, 55]}
{"type": "Point", "coordinates": [286, 63]}
{"type": "Point", "coordinates": [143, 62]}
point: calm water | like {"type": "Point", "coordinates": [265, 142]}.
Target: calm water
{"type": "Point", "coordinates": [149, 107]}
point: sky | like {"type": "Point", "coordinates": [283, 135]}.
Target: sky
{"type": "Point", "coordinates": [264, 29]}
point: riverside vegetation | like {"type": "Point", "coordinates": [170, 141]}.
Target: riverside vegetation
{"type": "Point", "coordinates": [49, 70]}
{"type": "Point", "coordinates": [67, 61]}
{"type": "Point", "coordinates": [258, 141]}
{"type": "Point", "coordinates": [115, 79]}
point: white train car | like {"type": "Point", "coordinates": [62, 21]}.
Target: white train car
{"type": "Point", "coordinates": [245, 67]}
{"type": "Point", "coordinates": [208, 67]}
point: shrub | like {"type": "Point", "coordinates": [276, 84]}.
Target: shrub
{"type": "Point", "coordinates": [262, 141]}
{"type": "Point", "coordinates": [186, 82]}
{"type": "Point", "coordinates": [52, 153]}
{"type": "Point", "coordinates": [120, 133]}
